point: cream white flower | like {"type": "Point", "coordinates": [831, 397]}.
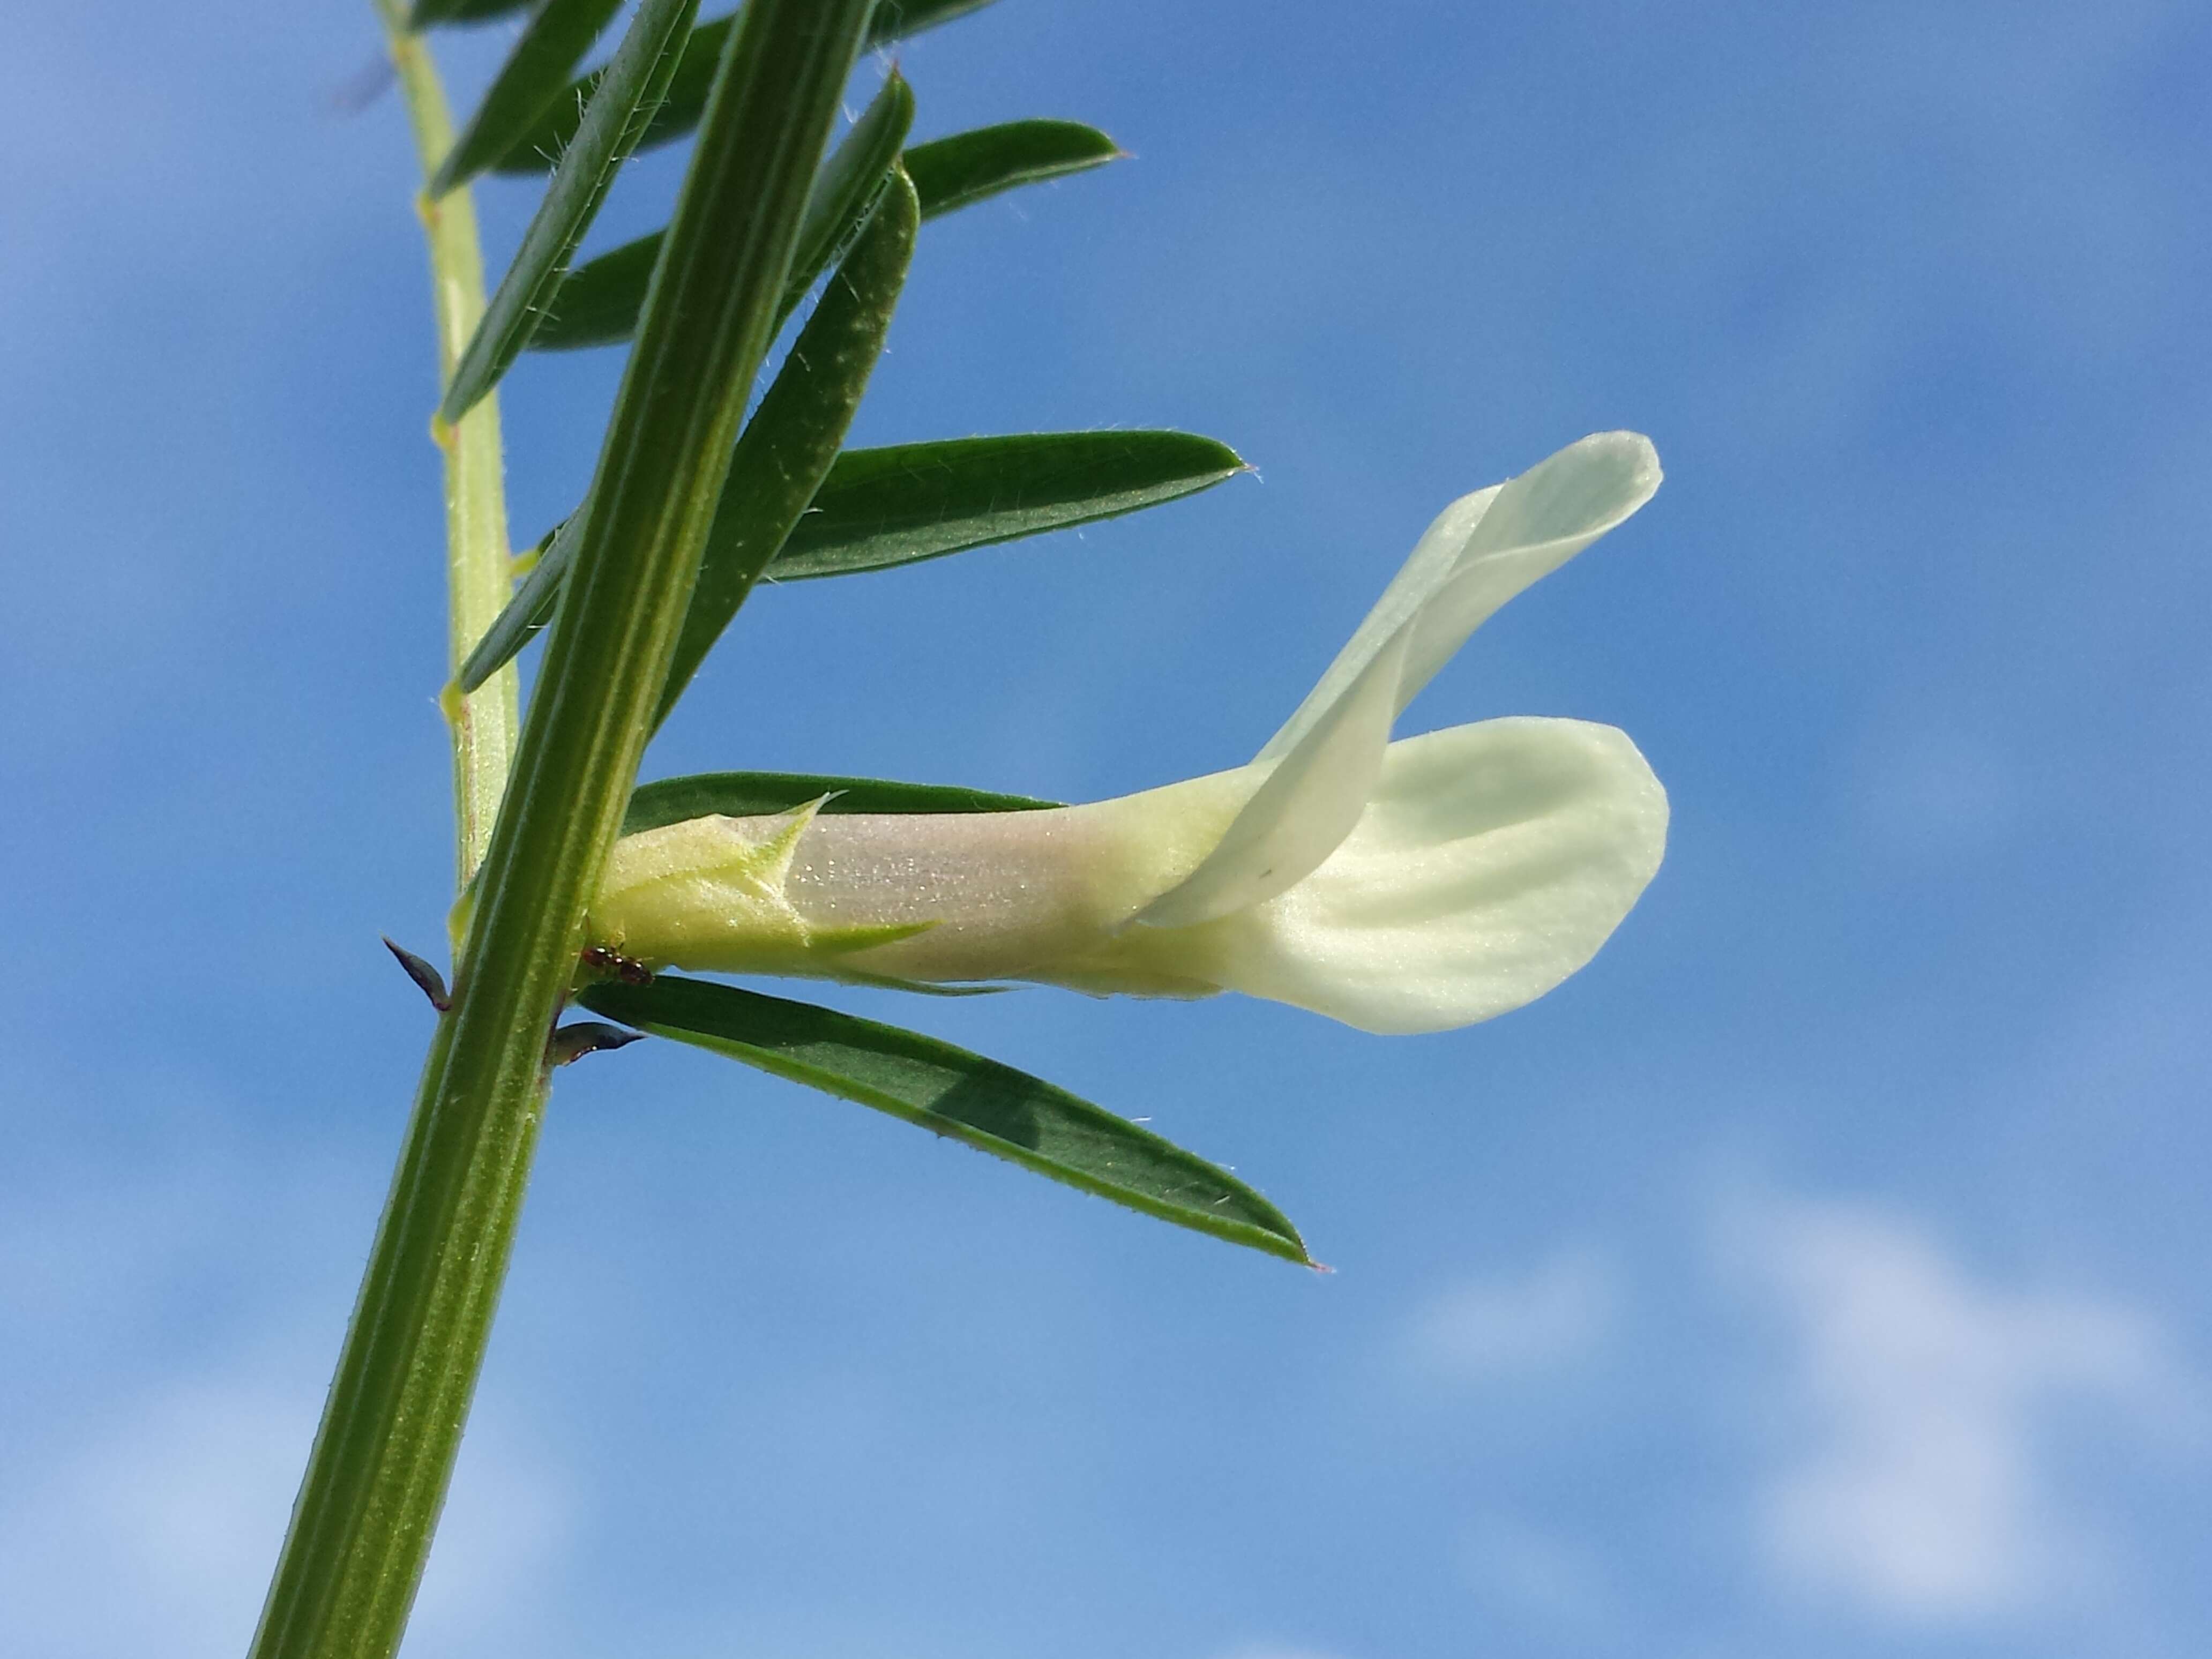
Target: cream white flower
{"type": "Point", "coordinates": [1408, 886]}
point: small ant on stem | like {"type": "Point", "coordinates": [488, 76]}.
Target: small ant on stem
{"type": "Point", "coordinates": [628, 969]}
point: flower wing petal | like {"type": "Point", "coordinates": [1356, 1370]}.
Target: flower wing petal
{"type": "Point", "coordinates": [1493, 862]}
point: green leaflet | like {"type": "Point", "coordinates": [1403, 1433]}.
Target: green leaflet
{"type": "Point", "coordinates": [529, 612]}
{"type": "Point", "coordinates": [968, 168]}
{"type": "Point", "coordinates": [597, 303]}
{"type": "Point", "coordinates": [794, 436]}
{"type": "Point", "coordinates": [549, 135]}
{"type": "Point", "coordinates": [849, 188]}
{"type": "Point", "coordinates": [631, 88]}
{"type": "Point", "coordinates": [896, 20]}
{"type": "Point", "coordinates": [880, 508]}
{"type": "Point", "coordinates": [534, 150]}
{"type": "Point", "coordinates": [428, 13]}
{"type": "Point", "coordinates": [991, 1106]}
{"type": "Point", "coordinates": [757, 794]}
{"type": "Point", "coordinates": [533, 79]}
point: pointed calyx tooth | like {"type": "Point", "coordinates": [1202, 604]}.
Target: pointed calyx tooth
{"type": "Point", "coordinates": [572, 1042]}
{"type": "Point", "coordinates": [428, 980]}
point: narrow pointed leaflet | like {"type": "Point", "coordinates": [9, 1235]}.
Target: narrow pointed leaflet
{"type": "Point", "coordinates": [529, 612]}
{"type": "Point", "coordinates": [794, 436]}
{"type": "Point", "coordinates": [849, 188]}
{"type": "Point", "coordinates": [597, 304]}
{"type": "Point", "coordinates": [534, 77]}
{"type": "Point", "coordinates": [758, 794]}
{"type": "Point", "coordinates": [881, 508]}
{"type": "Point", "coordinates": [968, 168]}
{"type": "Point", "coordinates": [958, 1094]}
{"type": "Point", "coordinates": [430, 14]}
{"type": "Point", "coordinates": [534, 151]}
{"type": "Point", "coordinates": [633, 84]}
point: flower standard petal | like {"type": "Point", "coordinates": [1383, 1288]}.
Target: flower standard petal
{"type": "Point", "coordinates": [1479, 552]}
{"type": "Point", "coordinates": [1539, 522]}
{"type": "Point", "coordinates": [1433, 562]}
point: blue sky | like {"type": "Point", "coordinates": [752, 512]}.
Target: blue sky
{"type": "Point", "coordinates": [1820, 1272]}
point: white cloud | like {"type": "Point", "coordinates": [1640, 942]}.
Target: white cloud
{"type": "Point", "coordinates": [1516, 1325]}
{"type": "Point", "coordinates": [496, 1563]}
{"type": "Point", "coordinates": [156, 1531]}
{"type": "Point", "coordinates": [1927, 1493]}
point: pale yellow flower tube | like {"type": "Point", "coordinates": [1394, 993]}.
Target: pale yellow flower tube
{"type": "Point", "coordinates": [1406, 886]}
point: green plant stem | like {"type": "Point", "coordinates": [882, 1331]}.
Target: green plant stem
{"type": "Point", "coordinates": [377, 1477]}
{"type": "Point", "coordinates": [479, 579]}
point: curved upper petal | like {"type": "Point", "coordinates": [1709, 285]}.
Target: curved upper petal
{"type": "Point", "coordinates": [1481, 550]}
{"type": "Point", "coordinates": [1493, 862]}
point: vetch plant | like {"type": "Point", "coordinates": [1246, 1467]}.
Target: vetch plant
{"type": "Point", "coordinates": [1404, 886]}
